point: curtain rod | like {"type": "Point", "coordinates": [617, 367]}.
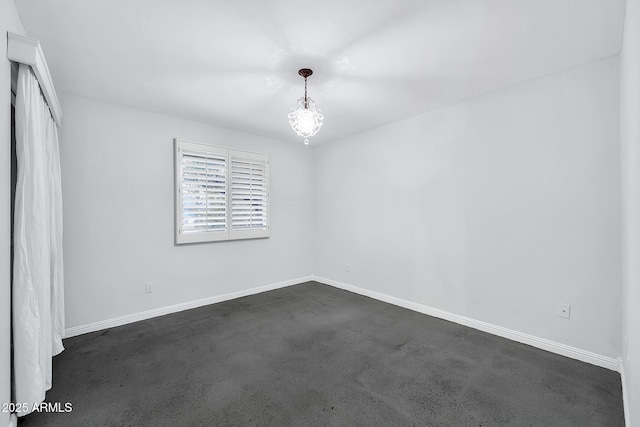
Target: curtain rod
{"type": "Point", "coordinates": [28, 51]}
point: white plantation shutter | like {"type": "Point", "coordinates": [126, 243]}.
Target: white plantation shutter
{"type": "Point", "coordinates": [221, 194]}
{"type": "Point", "coordinates": [249, 194]}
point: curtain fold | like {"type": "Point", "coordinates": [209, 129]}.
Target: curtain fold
{"type": "Point", "coordinates": [38, 296]}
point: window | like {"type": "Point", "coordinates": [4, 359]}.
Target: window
{"type": "Point", "coordinates": [221, 193]}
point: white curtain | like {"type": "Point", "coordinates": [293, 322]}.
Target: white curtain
{"type": "Point", "coordinates": [38, 297]}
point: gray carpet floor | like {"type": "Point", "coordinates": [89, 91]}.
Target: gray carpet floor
{"type": "Point", "coordinates": [313, 355]}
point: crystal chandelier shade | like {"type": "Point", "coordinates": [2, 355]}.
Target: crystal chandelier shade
{"type": "Point", "coordinates": [305, 119]}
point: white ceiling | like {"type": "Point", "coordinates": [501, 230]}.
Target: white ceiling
{"type": "Point", "coordinates": [235, 63]}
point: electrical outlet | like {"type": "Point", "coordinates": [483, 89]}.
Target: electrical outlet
{"type": "Point", "coordinates": [564, 310]}
{"type": "Point", "coordinates": [148, 287]}
{"type": "Point", "coordinates": [348, 268]}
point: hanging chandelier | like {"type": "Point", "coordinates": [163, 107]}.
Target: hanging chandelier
{"type": "Point", "coordinates": [305, 119]}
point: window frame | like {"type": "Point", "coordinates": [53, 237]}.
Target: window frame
{"type": "Point", "coordinates": [228, 233]}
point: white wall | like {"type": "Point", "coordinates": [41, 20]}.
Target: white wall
{"type": "Point", "coordinates": [630, 141]}
{"type": "Point", "coordinates": [9, 21]}
{"type": "Point", "coordinates": [497, 208]}
{"type": "Point", "coordinates": [117, 178]}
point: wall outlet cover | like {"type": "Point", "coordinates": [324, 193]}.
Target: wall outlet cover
{"type": "Point", "coordinates": [564, 311]}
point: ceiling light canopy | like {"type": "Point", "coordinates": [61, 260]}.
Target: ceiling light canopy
{"type": "Point", "coordinates": [305, 119]}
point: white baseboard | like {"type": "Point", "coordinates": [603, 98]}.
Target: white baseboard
{"type": "Point", "coordinates": [625, 401]}
{"type": "Point", "coordinates": [143, 315]}
{"type": "Point", "coordinates": [532, 340]}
